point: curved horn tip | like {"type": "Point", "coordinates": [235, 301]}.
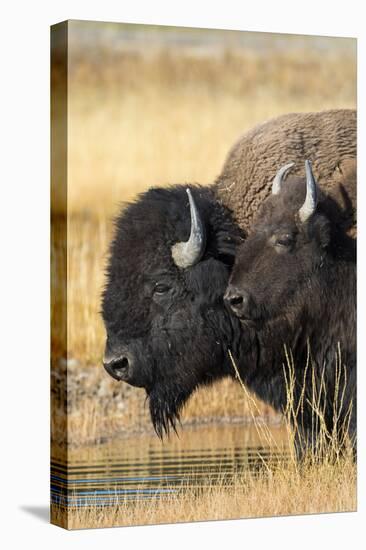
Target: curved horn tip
{"type": "Point", "coordinates": [308, 164]}
{"type": "Point", "coordinates": [191, 199]}
{"type": "Point", "coordinates": [186, 254]}
{"type": "Point", "coordinates": [311, 200]}
{"type": "Point", "coordinates": [277, 180]}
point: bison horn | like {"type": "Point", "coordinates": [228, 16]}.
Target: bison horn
{"type": "Point", "coordinates": [309, 206]}
{"type": "Point", "coordinates": [186, 254]}
{"type": "Point", "coordinates": [277, 181]}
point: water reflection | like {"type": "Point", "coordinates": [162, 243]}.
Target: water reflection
{"type": "Point", "coordinates": [146, 468]}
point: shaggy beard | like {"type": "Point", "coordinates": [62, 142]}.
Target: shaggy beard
{"type": "Point", "coordinates": [165, 407]}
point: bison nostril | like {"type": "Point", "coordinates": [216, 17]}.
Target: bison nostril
{"type": "Point", "coordinates": [118, 368]}
{"type": "Point", "coordinates": [123, 363]}
{"type": "Point", "coordinates": [234, 297]}
{"type": "Point", "coordinates": [239, 302]}
{"type": "Point", "coordinates": [119, 365]}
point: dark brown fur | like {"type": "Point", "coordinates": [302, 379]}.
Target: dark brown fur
{"type": "Point", "coordinates": [296, 282]}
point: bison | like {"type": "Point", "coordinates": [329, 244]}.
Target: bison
{"type": "Point", "coordinates": [294, 284]}
{"type": "Point", "coordinates": [168, 329]}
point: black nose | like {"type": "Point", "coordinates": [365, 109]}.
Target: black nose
{"type": "Point", "coordinates": [238, 301]}
{"type": "Point", "coordinates": [118, 367]}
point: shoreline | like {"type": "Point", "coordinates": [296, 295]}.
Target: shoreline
{"type": "Point", "coordinates": [88, 407]}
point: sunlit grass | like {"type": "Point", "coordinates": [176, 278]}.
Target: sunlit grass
{"type": "Point", "coordinates": [325, 480]}
{"type": "Point", "coordinates": [280, 489]}
{"type": "Point", "coordinates": [135, 121]}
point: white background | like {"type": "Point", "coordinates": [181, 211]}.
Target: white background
{"type": "Point", "coordinates": [24, 287]}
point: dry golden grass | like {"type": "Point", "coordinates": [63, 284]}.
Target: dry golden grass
{"type": "Point", "coordinates": [324, 481]}
{"type": "Point", "coordinates": [88, 241]}
{"type": "Point", "coordinates": [136, 121]}
{"type": "Point", "coordinates": [99, 418]}
{"type": "Point", "coordinates": [283, 490]}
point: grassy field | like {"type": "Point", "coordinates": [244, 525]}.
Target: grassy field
{"type": "Point", "coordinates": [135, 121]}
{"type": "Point", "coordinates": [324, 481]}
{"type": "Point", "coordinates": [282, 490]}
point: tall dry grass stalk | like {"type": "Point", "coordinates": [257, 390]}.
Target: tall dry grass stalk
{"type": "Point", "coordinates": [330, 441]}
{"type": "Point", "coordinates": [262, 428]}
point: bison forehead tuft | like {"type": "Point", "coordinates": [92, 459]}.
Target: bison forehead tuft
{"type": "Point", "coordinates": [279, 210]}
{"type": "Point", "coordinates": [147, 229]}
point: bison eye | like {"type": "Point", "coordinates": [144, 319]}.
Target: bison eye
{"type": "Point", "coordinates": [161, 288]}
{"type": "Point", "coordinates": [285, 240]}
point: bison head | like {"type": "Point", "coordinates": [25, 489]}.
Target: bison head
{"type": "Point", "coordinates": [286, 247]}
{"type": "Point", "coordinates": [167, 326]}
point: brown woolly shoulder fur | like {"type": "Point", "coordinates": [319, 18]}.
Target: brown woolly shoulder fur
{"type": "Point", "coordinates": [327, 138]}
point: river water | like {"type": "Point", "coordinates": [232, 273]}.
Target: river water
{"type": "Point", "coordinates": [143, 467]}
